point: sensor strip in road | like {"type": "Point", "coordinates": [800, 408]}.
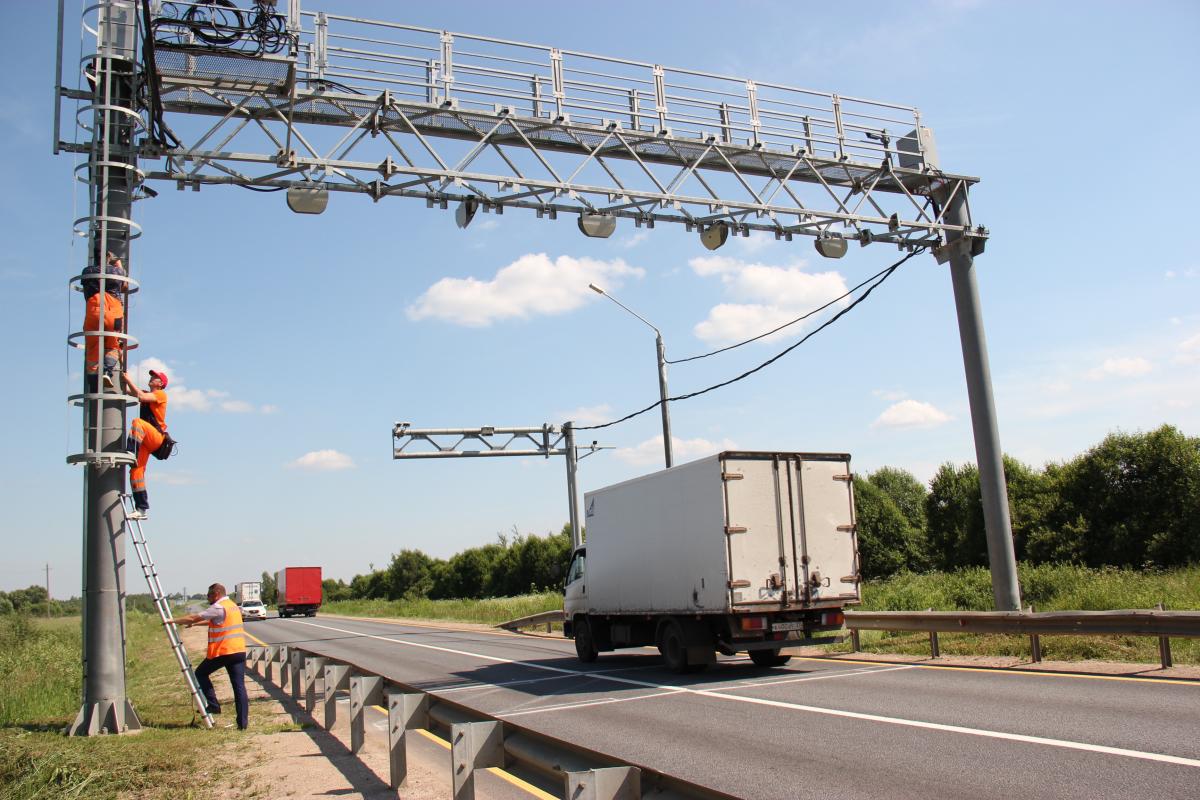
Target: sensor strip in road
{"type": "Point", "coordinates": [934, 726]}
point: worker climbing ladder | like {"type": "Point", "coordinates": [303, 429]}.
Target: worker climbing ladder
{"type": "Point", "coordinates": [160, 602]}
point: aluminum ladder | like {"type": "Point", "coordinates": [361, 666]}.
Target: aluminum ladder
{"type": "Point", "coordinates": [164, 611]}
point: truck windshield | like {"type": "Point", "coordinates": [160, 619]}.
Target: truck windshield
{"type": "Point", "coordinates": [577, 568]}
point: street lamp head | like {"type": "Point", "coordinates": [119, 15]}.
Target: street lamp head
{"type": "Point", "coordinates": [595, 288]}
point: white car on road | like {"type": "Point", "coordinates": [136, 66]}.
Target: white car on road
{"type": "Point", "coordinates": [253, 609]}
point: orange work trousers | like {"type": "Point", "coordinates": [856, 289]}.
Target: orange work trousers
{"type": "Point", "coordinates": [146, 440]}
{"type": "Point", "coordinates": [114, 313]}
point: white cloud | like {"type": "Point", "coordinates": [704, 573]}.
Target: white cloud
{"type": "Point", "coordinates": [1188, 351]}
{"type": "Point", "coordinates": [323, 461]}
{"type": "Point", "coordinates": [532, 285]}
{"type": "Point", "coordinates": [911, 414]}
{"type": "Point", "coordinates": [769, 297]}
{"type": "Point", "coordinates": [182, 397]}
{"type": "Point", "coordinates": [587, 415]}
{"type": "Point", "coordinates": [1190, 272]}
{"type": "Point", "coordinates": [1120, 368]}
{"type": "Point", "coordinates": [634, 240]}
{"type": "Point", "coordinates": [650, 452]}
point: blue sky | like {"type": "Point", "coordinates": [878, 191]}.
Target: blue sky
{"type": "Point", "coordinates": [295, 342]}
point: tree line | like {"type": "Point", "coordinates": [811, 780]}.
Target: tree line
{"type": "Point", "coordinates": [1133, 500]}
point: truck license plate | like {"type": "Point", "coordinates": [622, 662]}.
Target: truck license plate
{"type": "Point", "coordinates": [787, 626]}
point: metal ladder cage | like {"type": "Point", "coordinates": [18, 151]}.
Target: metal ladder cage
{"type": "Point", "coordinates": [112, 176]}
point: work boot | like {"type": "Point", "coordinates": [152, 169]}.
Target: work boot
{"type": "Point", "coordinates": [140, 514]}
{"type": "Point", "coordinates": [108, 382]}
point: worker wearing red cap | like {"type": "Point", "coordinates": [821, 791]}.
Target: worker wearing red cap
{"type": "Point", "coordinates": [146, 435]}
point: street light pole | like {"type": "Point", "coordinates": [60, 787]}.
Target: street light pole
{"type": "Point", "coordinates": [662, 374]}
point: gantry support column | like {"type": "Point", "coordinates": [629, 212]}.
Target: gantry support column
{"type": "Point", "coordinates": [112, 179]}
{"type": "Point", "coordinates": [1005, 591]}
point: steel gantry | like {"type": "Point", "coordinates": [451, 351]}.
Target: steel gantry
{"type": "Point", "coordinates": [321, 104]}
{"type": "Point", "coordinates": [490, 442]}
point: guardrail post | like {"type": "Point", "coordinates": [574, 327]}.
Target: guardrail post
{"type": "Point", "coordinates": [406, 711]}
{"type": "Point", "coordinates": [313, 666]}
{"type": "Point", "coordinates": [283, 666]}
{"type": "Point", "coordinates": [606, 783]}
{"type": "Point", "coordinates": [474, 745]}
{"type": "Point", "coordinates": [934, 650]}
{"type": "Point", "coordinates": [1164, 646]}
{"type": "Point", "coordinates": [1035, 645]}
{"type": "Point", "coordinates": [337, 676]}
{"type": "Point", "coordinates": [296, 661]}
{"type": "Point", "coordinates": [854, 641]}
{"type": "Point", "coordinates": [269, 672]}
{"type": "Point", "coordinates": [365, 690]}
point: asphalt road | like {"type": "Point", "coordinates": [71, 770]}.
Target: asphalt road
{"type": "Point", "coordinates": [815, 728]}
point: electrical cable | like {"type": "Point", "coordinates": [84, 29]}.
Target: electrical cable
{"type": "Point", "coordinates": [262, 188]}
{"type": "Point", "coordinates": [887, 273]}
{"type": "Point", "coordinates": [797, 319]}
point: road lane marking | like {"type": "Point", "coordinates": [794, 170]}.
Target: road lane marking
{"type": "Point", "coordinates": [584, 703]}
{"type": "Point", "coordinates": [506, 684]}
{"type": "Point", "coordinates": [1011, 671]}
{"type": "Point", "coordinates": [255, 638]}
{"type": "Point", "coordinates": [778, 681]}
{"type": "Point", "coordinates": [935, 726]}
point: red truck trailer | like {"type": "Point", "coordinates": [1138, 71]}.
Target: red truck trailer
{"type": "Point", "coordinates": [299, 591]}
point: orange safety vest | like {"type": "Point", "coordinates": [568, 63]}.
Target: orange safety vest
{"type": "Point", "coordinates": [229, 637]}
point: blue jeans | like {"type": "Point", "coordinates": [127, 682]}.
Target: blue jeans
{"type": "Point", "coordinates": [235, 665]}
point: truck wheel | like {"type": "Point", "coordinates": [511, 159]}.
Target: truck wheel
{"type": "Point", "coordinates": [585, 641]}
{"type": "Point", "coordinates": [768, 658]}
{"type": "Point", "coordinates": [673, 647]}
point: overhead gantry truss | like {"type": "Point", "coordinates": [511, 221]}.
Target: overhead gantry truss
{"type": "Point", "coordinates": [392, 110]}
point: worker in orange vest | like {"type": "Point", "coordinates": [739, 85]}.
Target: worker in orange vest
{"type": "Point", "coordinates": [226, 648]}
{"type": "Point", "coordinates": [146, 435]}
{"type": "Point", "coordinates": [107, 304]}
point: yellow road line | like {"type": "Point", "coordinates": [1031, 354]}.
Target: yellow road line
{"type": "Point", "coordinates": [520, 784]}
{"type": "Point", "coordinates": [255, 638]}
{"type": "Point", "coordinates": [499, 773]}
{"type": "Point", "coordinates": [1006, 671]}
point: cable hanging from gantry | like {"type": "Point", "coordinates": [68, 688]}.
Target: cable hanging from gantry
{"type": "Point", "coordinates": [800, 318]}
{"type": "Point", "coordinates": [879, 278]}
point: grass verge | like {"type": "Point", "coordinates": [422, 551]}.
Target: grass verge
{"type": "Point", "coordinates": [40, 681]}
{"type": "Point", "coordinates": [489, 611]}
{"type": "Point", "coordinates": [1052, 587]}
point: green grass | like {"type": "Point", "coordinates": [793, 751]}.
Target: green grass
{"type": "Point", "coordinates": [490, 611]}
{"type": "Point", "coordinates": [1058, 587]}
{"type": "Point", "coordinates": [40, 695]}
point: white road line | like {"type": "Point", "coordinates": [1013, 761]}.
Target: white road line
{"type": "Point", "coordinates": [505, 684]}
{"type": "Point", "coordinates": [933, 726]}
{"type": "Point", "coordinates": [584, 703]}
{"type": "Point", "coordinates": [832, 676]}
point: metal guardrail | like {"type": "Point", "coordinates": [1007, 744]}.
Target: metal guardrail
{"type": "Point", "coordinates": [546, 618]}
{"type": "Point", "coordinates": [1129, 622]}
{"type": "Point", "coordinates": [477, 740]}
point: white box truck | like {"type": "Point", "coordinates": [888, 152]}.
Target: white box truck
{"type": "Point", "coordinates": [738, 552]}
{"type": "Point", "coordinates": [248, 591]}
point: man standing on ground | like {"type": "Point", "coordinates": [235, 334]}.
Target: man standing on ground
{"type": "Point", "coordinates": [226, 648]}
{"type": "Point", "coordinates": [146, 435]}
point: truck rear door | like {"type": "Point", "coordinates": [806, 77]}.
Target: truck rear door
{"type": "Point", "coordinates": [755, 528]}
{"type": "Point", "coordinates": [824, 506]}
